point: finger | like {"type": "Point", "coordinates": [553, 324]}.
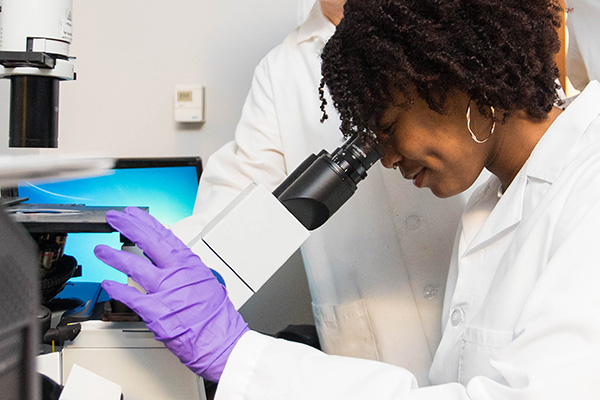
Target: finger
{"type": "Point", "coordinates": [143, 217]}
{"type": "Point", "coordinates": [139, 269]}
{"type": "Point", "coordinates": [149, 221]}
{"type": "Point", "coordinates": [131, 227]}
{"type": "Point", "coordinates": [134, 299]}
{"type": "Point", "coordinates": [157, 242]}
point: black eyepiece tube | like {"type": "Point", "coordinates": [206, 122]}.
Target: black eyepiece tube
{"type": "Point", "coordinates": [33, 111]}
{"type": "Point", "coordinates": [315, 190]}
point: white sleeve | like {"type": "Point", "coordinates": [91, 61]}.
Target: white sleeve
{"type": "Point", "coordinates": [255, 155]}
{"type": "Point", "coordinates": [261, 367]}
{"type": "Point", "coordinates": [265, 368]}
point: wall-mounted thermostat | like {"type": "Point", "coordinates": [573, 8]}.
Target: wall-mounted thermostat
{"type": "Point", "coordinates": [189, 103]}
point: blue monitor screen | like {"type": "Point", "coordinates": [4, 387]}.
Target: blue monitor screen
{"type": "Point", "coordinates": [169, 191]}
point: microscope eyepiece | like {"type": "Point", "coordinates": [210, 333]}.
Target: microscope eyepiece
{"type": "Point", "coordinates": [319, 186]}
{"type": "Point", "coordinates": [355, 159]}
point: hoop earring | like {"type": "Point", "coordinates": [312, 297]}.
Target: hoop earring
{"type": "Point", "coordinates": [471, 130]}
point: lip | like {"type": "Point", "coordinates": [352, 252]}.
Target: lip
{"type": "Point", "coordinates": [411, 175]}
{"type": "Point", "coordinates": [416, 177]}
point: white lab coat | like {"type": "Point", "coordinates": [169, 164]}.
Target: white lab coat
{"type": "Point", "coordinates": [521, 308]}
{"type": "Point", "coordinates": [376, 270]}
{"type": "Point", "coordinates": [583, 54]}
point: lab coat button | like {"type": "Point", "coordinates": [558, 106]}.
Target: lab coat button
{"type": "Point", "coordinates": [457, 317]}
{"type": "Point", "coordinates": [430, 292]}
{"type": "Point", "coordinates": [413, 222]}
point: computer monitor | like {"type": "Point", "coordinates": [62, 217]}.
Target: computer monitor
{"type": "Point", "coordinates": [168, 186]}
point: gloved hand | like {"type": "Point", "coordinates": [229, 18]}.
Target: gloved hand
{"type": "Point", "coordinates": [185, 306]}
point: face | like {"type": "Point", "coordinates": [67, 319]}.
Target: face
{"type": "Point", "coordinates": [431, 149]}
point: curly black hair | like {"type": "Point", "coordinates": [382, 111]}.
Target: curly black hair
{"type": "Point", "coordinates": [499, 52]}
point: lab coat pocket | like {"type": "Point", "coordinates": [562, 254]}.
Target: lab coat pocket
{"type": "Point", "coordinates": [478, 346]}
{"type": "Point", "coordinates": [345, 330]}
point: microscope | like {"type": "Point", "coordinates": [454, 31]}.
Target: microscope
{"type": "Point", "coordinates": [258, 231]}
{"type": "Point", "coordinates": [34, 54]}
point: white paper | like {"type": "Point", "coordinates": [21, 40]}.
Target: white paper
{"type": "Point", "coordinates": [85, 385]}
{"type": "Point", "coordinates": [50, 365]}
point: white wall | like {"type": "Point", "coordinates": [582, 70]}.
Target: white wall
{"type": "Point", "coordinates": [131, 54]}
{"type": "Point", "coordinates": [129, 57]}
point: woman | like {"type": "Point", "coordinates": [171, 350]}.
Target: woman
{"type": "Point", "coordinates": [448, 88]}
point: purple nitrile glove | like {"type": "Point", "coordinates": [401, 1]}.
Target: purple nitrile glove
{"type": "Point", "coordinates": [185, 306]}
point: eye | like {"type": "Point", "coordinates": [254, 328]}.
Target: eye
{"type": "Point", "coordinates": [388, 129]}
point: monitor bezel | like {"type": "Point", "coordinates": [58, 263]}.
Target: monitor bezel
{"type": "Point", "coordinates": [159, 162]}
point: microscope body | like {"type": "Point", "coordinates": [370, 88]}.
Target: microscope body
{"type": "Point", "coordinates": [249, 241]}
{"type": "Point", "coordinates": [259, 231]}
{"type": "Point", "coordinates": [34, 54]}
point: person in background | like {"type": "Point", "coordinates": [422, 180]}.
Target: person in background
{"type": "Point", "coordinates": [583, 52]}
{"type": "Point", "coordinates": [448, 88]}
{"type": "Point", "coordinates": [376, 269]}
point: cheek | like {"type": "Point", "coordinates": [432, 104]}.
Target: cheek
{"type": "Point", "coordinates": [433, 144]}
{"type": "Point", "coordinates": [415, 146]}
{"type": "Point", "coordinates": [454, 172]}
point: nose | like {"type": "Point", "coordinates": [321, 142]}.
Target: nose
{"type": "Point", "coordinates": [390, 158]}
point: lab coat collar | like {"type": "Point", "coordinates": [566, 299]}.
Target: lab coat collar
{"type": "Point", "coordinates": [491, 212]}
{"type": "Point", "coordinates": [316, 25]}
{"type": "Point", "coordinates": [544, 164]}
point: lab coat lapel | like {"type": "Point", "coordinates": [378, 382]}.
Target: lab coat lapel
{"type": "Point", "coordinates": [543, 166]}
{"type": "Point", "coordinates": [506, 212]}
{"type": "Point", "coordinates": [546, 166]}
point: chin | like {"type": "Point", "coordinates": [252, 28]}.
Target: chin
{"type": "Point", "coordinates": [444, 193]}
{"type": "Point", "coordinates": [441, 195]}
